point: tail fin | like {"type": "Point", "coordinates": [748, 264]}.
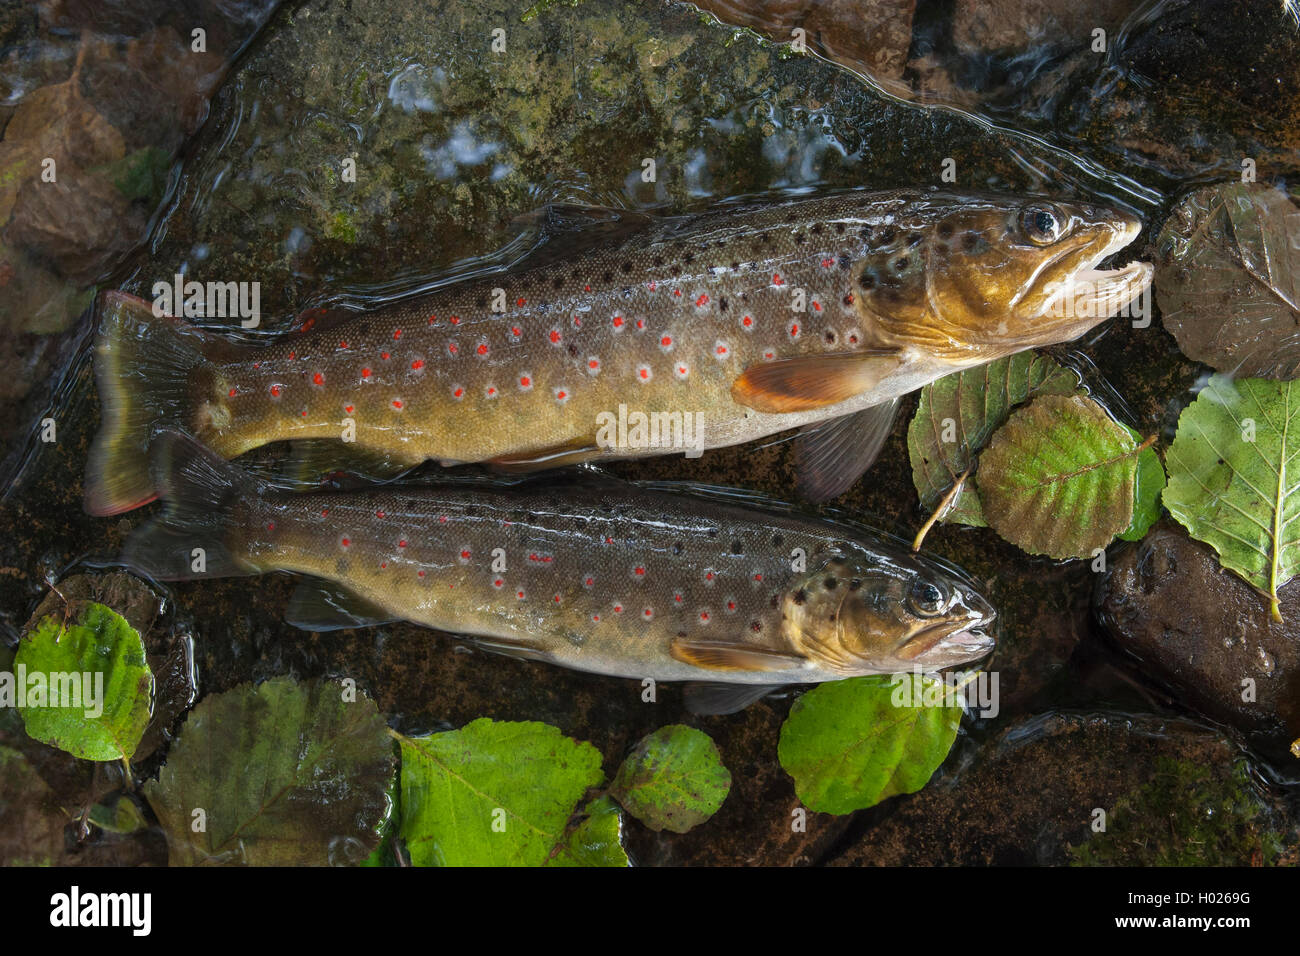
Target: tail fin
{"type": "Point", "coordinates": [143, 367]}
{"type": "Point", "coordinates": [188, 540]}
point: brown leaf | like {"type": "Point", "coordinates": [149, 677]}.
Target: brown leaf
{"type": "Point", "coordinates": [1228, 279]}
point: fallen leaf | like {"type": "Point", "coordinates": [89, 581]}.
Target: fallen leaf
{"type": "Point", "coordinates": [1058, 478]}
{"type": "Point", "coordinates": [850, 744]}
{"type": "Point", "coordinates": [956, 416]}
{"type": "Point", "coordinates": [1233, 480]}
{"type": "Point", "coordinates": [1228, 279]}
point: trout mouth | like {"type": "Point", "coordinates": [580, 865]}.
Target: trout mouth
{"type": "Point", "coordinates": [940, 646]}
{"type": "Point", "coordinates": [1078, 295]}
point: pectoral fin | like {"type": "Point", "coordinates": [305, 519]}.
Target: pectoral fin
{"type": "Point", "coordinates": [710, 699]}
{"type": "Point", "coordinates": [813, 381]}
{"type": "Point", "coordinates": [320, 606]}
{"type": "Point", "coordinates": [729, 656]}
{"type": "Point", "coordinates": [831, 456]}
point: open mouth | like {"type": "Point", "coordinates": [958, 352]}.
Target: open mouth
{"type": "Point", "coordinates": [1114, 289]}
{"type": "Point", "coordinates": [1088, 295]}
{"type": "Point", "coordinates": [939, 646]}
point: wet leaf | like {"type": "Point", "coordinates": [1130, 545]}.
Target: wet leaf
{"type": "Point", "coordinates": [32, 834]}
{"type": "Point", "coordinates": [117, 816]}
{"type": "Point", "coordinates": [1058, 478]}
{"type": "Point", "coordinates": [1228, 279]}
{"type": "Point", "coordinates": [596, 841]}
{"type": "Point", "coordinates": [385, 852]}
{"type": "Point", "coordinates": [1230, 477]}
{"type": "Point", "coordinates": [1146, 493]}
{"type": "Point", "coordinates": [98, 689]}
{"type": "Point", "coordinates": [957, 414]}
{"type": "Point", "coordinates": [279, 774]}
{"type": "Point", "coordinates": [673, 779]}
{"type": "Point", "coordinates": [850, 744]}
{"type": "Point", "coordinates": [494, 793]}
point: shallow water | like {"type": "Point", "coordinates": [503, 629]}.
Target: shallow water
{"type": "Point", "coordinates": [453, 142]}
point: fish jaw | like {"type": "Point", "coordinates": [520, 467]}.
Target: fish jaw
{"type": "Point", "coordinates": [1079, 296]}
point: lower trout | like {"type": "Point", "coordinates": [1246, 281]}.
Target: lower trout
{"type": "Point", "coordinates": [609, 577]}
{"type": "Point", "coordinates": [650, 336]}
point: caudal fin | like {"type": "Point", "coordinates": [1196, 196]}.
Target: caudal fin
{"type": "Point", "coordinates": [143, 368]}
{"type": "Point", "coordinates": [189, 539]}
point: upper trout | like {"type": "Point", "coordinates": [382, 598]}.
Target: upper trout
{"type": "Point", "coordinates": [652, 335]}
{"type": "Point", "coordinates": [609, 577]}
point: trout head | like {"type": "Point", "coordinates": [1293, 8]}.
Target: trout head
{"type": "Point", "coordinates": [969, 280]}
{"type": "Point", "coordinates": [861, 614]}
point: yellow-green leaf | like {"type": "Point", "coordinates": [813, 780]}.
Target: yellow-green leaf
{"type": "Point", "coordinates": [1058, 478]}
{"type": "Point", "coordinates": [1233, 477]}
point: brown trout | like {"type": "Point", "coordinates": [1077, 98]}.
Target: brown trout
{"type": "Point", "coordinates": [606, 577]}
{"type": "Point", "coordinates": [659, 335]}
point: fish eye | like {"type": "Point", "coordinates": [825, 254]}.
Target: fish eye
{"type": "Point", "coordinates": [1042, 224]}
{"type": "Point", "coordinates": [925, 598]}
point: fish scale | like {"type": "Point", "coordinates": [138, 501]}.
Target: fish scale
{"type": "Point", "coordinates": [597, 575]}
{"type": "Point", "coordinates": [659, 323]}
{"type": "Point", "coordinates": [751, 319]}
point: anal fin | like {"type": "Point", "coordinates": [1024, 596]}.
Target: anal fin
{"type": "Point", "coordinates": [520, 648]}
{"type": "Point", "coordinates": [310, 460]}
{"type": "Point", "coordinates": [707, 698]}
{"type": "Point", "coordinates": [559, 456]}
{"type": "Point", "coordinates": [831, 456]}
{"type": "Point", "coordinates": [812, 381]}
{"type": "Point", "coordinates": [322, 606]}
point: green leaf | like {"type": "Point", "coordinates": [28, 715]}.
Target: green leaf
{"type": "Point", "coordinates": [1232, 477]}
{"type": "Point", "coordinates": [1146, 492]}
{"type": "Point", "coordinates": [118, 816]}
{"type": "Point", "coordinates": [673, 779]}
{"type": "Point", "coordinates": [493, 793]}
{"type": "Point", "coordinates": [596, 841]}
{"type": "Point", "coordinates": [967, 407]}
{"type": "Point", "coordinates": [97, 687]}
{"type": "Point", "coordinates": [1228, 279]}
{"type": "Point", "coordinates": [385, 852]}
{"type": "Point", "coordinates": [850, 744]}
{"type": "Point", "coordinates": [1058, 478]}
{"type": "Point", "coordinates": [279, 774]}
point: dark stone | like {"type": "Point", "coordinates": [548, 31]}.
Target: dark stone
{"type": "Point", "coordinates": [1201, 630]}
{"type": "Point", "coordinates": [1172, 793]}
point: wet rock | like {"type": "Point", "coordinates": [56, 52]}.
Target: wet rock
{"type": "Point", "coordinates": [870, 38]}
{"type": "Point", "coordinates": [1202, 631]}
{"type": "Point", "coordinates": [450, 132]}
{"type": "Point", "coordinates": [1172, 793]}
{"type": "Point", "coordinates": [80, 222]}
{"type": "Point", "coordinates": [1022, 27]}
